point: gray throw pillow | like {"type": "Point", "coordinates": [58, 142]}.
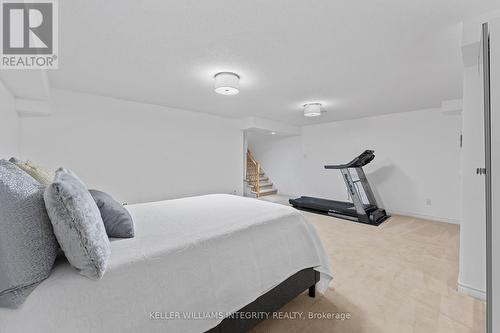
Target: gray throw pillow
{"type": "Point", "coordinates": [28, 247]}
{"type": "Point", "coordinates": [77, 224]}
{"type": "Point", "coordinates": [116, 218]}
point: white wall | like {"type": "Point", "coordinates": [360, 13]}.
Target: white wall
{"type": "Point", "coordinates": [9, 124]}
{"type": "Point", "coordinates": [417, 159]}
{"type": "Point", "coordinates": [282, 159]}
{"type": "Point", "coordinates": [137, 152]}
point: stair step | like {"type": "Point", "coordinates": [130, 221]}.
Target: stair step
{"type": "Point", "coordinates": [262, 180]}
{"type": "Point", "coordinates": [262, 188]}
{"type": "Point", "coordinates": [265, 184]}
{"type": "Point", "coordinates": [266, 192]}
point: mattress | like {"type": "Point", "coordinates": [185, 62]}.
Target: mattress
{"type": "Point", "coordinates": [193, 261]}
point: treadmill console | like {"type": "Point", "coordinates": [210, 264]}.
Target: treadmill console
{"type": "Point", "coordinates": [359, 161]}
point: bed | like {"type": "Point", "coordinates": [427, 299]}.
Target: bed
{"type": "Point", "coordinates": [193, 261]}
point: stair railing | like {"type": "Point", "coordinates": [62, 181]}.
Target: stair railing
{"type": "Point", "coordinates": [253, 173]}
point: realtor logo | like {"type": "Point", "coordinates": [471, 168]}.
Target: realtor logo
{"type": "Point", "coordinates": [29, 34]}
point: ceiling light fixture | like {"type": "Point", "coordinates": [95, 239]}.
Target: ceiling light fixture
{"type": "Point", "coordinates": [312, 110]}
{"type": "Point", "coordinates": [227, 83]}
{"type": "Point", "coordinates": [273, 133]}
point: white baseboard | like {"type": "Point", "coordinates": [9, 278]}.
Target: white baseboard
{"type": "Point", "coordinates": [467, 290]}
{"type": "Point", "coordinates": [422, 216]}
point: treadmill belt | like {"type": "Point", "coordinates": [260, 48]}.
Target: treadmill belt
{"type": "Point", "coordinates": [325, 205]}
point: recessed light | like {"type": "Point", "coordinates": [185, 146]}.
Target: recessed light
{"type": "Point", "coordinates": [273, 133]}
{"type": "Point", "coordinates": [312, 110]}
{"type": "Point", "coordinates": [227, 83]}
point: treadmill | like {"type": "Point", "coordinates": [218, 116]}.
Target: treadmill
{"type": "Point", "coordinates": [363, 207]}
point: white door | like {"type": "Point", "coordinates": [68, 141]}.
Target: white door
{"type": "Point", "coordinates": [472, 278]}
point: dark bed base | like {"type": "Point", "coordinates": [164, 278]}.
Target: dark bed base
{"type": "Point", "coordinates": [271, 301]}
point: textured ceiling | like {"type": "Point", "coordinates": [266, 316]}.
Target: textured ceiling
{"type": "Point", "coordinates": [360, 58]}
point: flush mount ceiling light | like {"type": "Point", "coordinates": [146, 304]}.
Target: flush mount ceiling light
{"type": "Point", "coordinates": [312, 110]}
{"type": "Point", "coordinates": [227, 83]}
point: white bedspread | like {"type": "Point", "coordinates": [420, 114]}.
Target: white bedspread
{"type": "Point", "coordinates": [213, 253]}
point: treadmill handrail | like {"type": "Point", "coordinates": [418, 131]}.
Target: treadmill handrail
{"type": "Point", "coordinates": [363, 159]}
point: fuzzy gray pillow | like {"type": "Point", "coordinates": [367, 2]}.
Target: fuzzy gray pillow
{"type": "Point", "coordinates": [77, 224]}
{"type": "Point", "coordinates": [116, 218]}
{"type": "Point", "coordinates": [28, 247]}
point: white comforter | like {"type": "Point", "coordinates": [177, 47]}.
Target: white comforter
{"type": "Point", "coordinates": [191, 256]}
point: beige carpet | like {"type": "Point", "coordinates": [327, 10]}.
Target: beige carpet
{"type": "Point", "coordinates": [400, 277]}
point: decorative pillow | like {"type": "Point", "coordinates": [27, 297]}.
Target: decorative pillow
{"type": "Point", "coordinates": [28, 247]}
{"type": "Point", "coordinates": [116, 218]}
{"type": "Point", "coordinates": [77, 224]}
{"type": "Point", "coordinates": [42, 175]}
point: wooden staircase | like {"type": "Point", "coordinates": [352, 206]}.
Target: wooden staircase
{"type": "Point", "coordinates": [257, 181]}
